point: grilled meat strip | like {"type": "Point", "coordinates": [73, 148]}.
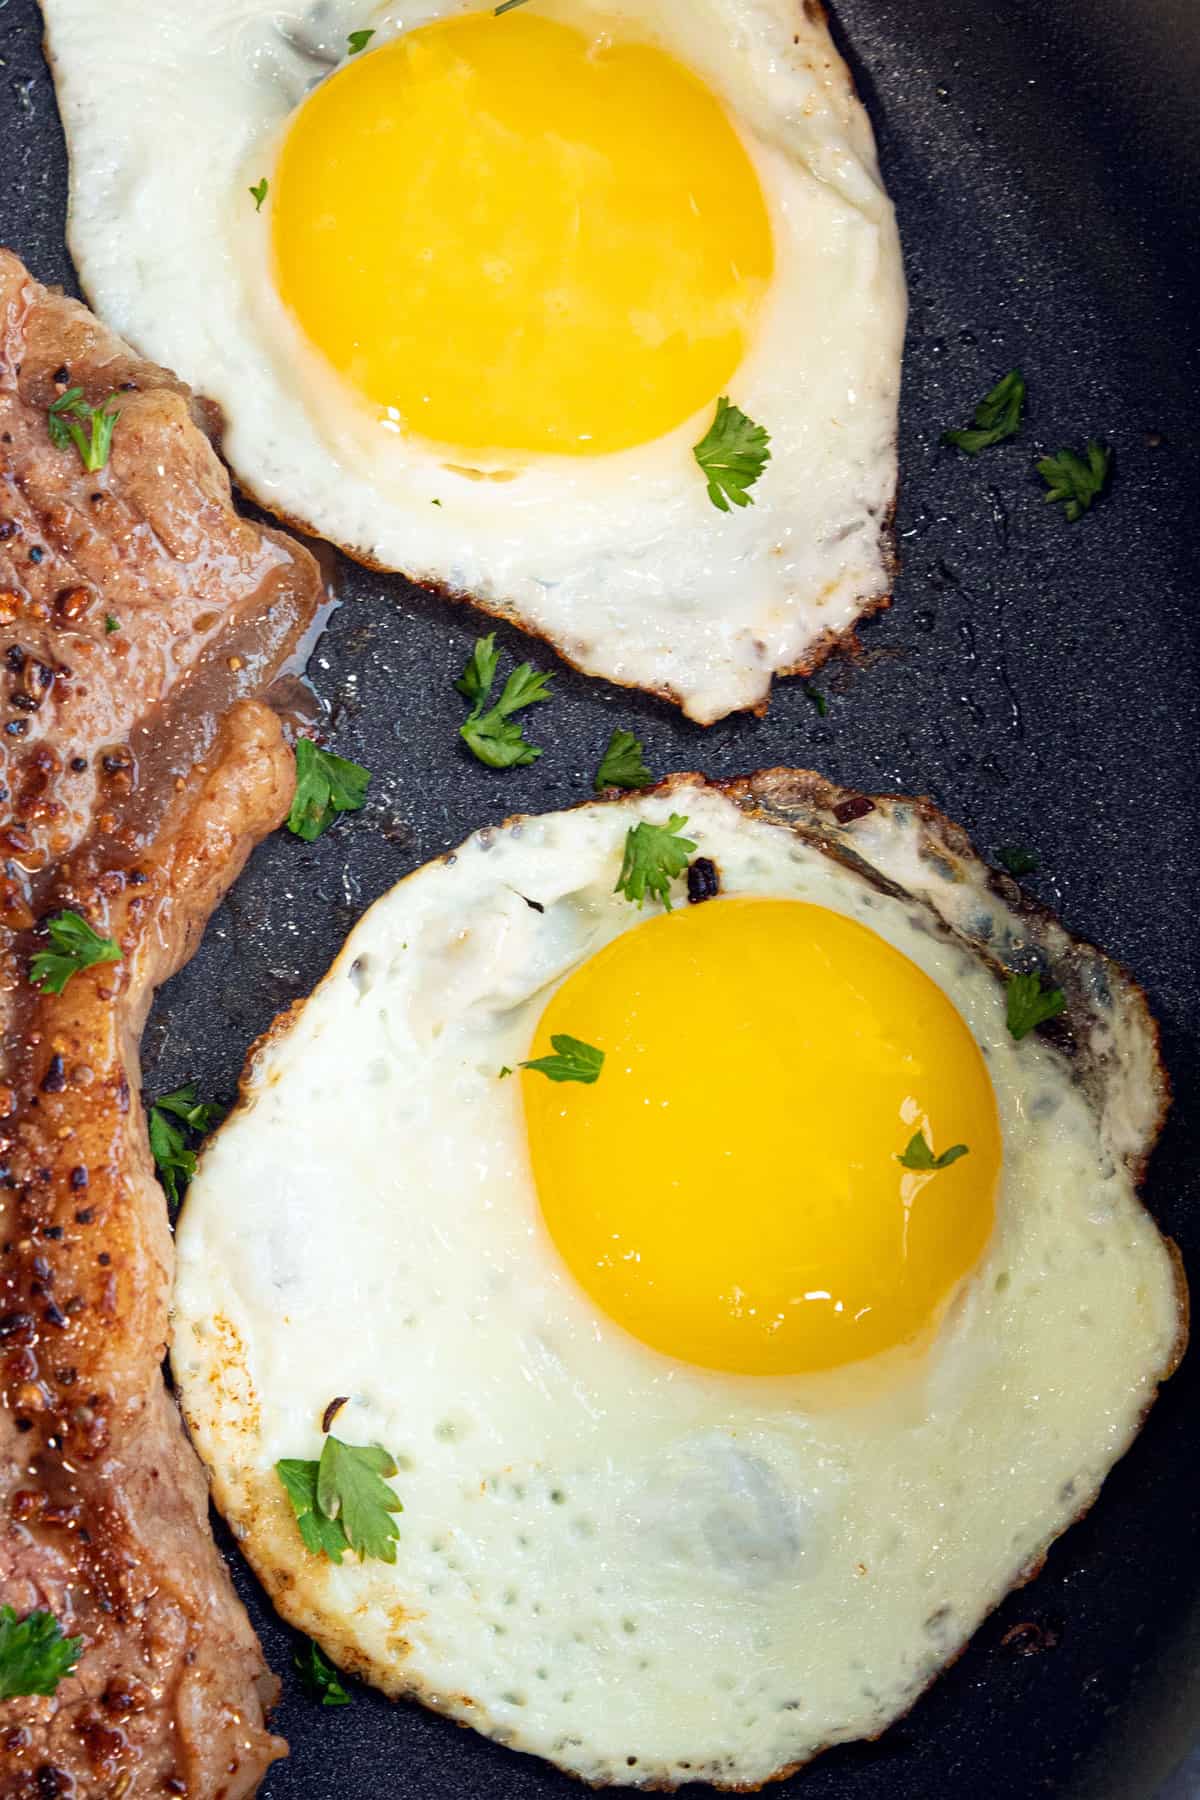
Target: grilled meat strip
{"type": "Point", "coordinates": [141, 621]}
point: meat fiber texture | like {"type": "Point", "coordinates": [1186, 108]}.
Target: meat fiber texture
{"type": "Point", "coordinates": [142, 621]}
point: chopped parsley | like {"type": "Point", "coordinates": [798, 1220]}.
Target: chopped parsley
{"type": "Point", "coordinates": [504, 1070]}
{"type": "Point", "coordinates": [621, 765]}
{"type": "Point", "coordinates": [343, 1501]}
{"type": "Point", "coordinates": [173, 1156]}
{"type": "Point", "coordinates": [324, 1537]}
{"type": "Point", "coordinates": [475, 682]}
{"type": "Point", "coordinates": [818, 699]}
{"type": "Point", "coordinates": [358, 40]}
{"type": "Point", "coordinates": [34, 1654]}
{"type": "Point", "coordinates": [1074, 481]}
{"type": "Point", "coordinates": [258, 193]}
{"type": "Point", "coordinates": [492, 734]}
{"type": "Point", "coordinates": [111, 623]}
{"type": "Point", "coordinates": [319, 1677]}
{"type": "Point", "coordinates": [1018, 859]}
{"type": "Point", "coordinates": [73, 946]}
{"type": "Point", "coordinates": [998, 416]}
{"type": "Point", "coordinates": [65, 423]}
{"type": "Point", "coordinates": [1028, 1004]}
{"type": "Point", "coordinates": [573, 1060]}
{"type": "Point", "coordinates": [654, 856]}
{"type": "Point", "coordinates": [918, 1155]}
{"type": "Point", "coordinates": [325, 786]}
{"type": "Point", "coordinates": [733, 454]}
{"type": "Point", "coordinates": [506, 6]}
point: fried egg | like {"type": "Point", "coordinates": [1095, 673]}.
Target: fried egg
{"type": "Point", "coordinates": [468, 294]}
{"type": "Point", "coordinates": [718, 1426]}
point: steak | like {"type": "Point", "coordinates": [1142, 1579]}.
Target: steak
{"type": "Point", "coordinates": [142, 624]}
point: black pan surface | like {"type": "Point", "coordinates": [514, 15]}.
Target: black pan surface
{"type": "Point", "coordinates": [1039, 679]}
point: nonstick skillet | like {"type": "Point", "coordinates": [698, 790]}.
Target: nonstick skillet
{"type": "Point", "coordinates": [1040, 680]}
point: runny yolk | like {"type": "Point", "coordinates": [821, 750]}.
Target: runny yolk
{"type": "Point", "coordinates": [728, 1190]}
{"type": "Point", "coordinates": [521, 236]}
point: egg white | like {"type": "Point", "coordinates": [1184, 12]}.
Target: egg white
{"type": "Point", "coordinates": [638, 1569]}
{"type": "Point", "coordinates": [621, 561]}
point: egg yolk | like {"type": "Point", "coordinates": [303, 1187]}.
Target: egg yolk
{"type": "Point", "coordinates": [729, 1188]}
{"type": "Point", "coordinates": [508, 233]}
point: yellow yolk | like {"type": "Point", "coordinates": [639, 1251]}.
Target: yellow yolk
{"type": "Point", "coordinates": [519, 236]}
{"type": "Point", "coordinates": [728, 1190]}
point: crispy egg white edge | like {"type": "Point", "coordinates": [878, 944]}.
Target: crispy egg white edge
{"type": "Point", "coordinates": [621, 561]}
{"type": "Point", "coordinates": [901, 843]}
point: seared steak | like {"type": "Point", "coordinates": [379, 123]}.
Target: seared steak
{"type": "Point", "coordinates": [141, 622]}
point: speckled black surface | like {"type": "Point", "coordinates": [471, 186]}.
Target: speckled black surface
{"type": "Point", "coordinates": [1039, 679]}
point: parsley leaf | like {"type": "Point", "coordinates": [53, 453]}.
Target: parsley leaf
{"type": "Point", "coordinates": [258, 193]}
{"type": "Point", "coordinates": [57, 416]}
{"type": "Point", "coordinates": [319, 1677]}
{"type": "Point", "coordinates": [74, 946]}
{"type": "Point", "coordinates": [175, 1161]}
{"type": "Point", "coordinates": [495, 737]}
{"type": "Point", "coordinates": [176, 1164]}
{"type": "Point", "coordinates": [66, 419]}
{"type": "Point", "coordinates": [325, 786]}
{"type": "Point", "coordinates": [1017, 859]}
{"type": "Point", "coordinates": [34, 1654]}
{"type": "Point", "coordinates": [475, 682]}
{"type": "Point", "coordinates": [918, 1155]}
{"type": "Point", "coordinates": [506, 6]}
{"type": "Point", "coordinates": [324, 1537]}
{"type": "Point", "coordinates": [998, 416]}
{"type": "Point", "coordinates": [1028, 1005]}
{"type": "Point", "coordinates": [1075, 481]}
{"type": "Point", "coordinates": [654, 856]}
{"type": "Point", "coordinates": [524, 687]}
{"type": "Point", "coordinates": [497, 741]}
{"type": "Point", "coordinates": [358, 40]}
{"type": "Point", "coordinates": [200, 1115]}
{"type": "Point", "coordinates": [573, 1060]}
{"type": "Point", "coordinates": [733, 454]}
{"type": "Point", "coordinates": [621, 765]}
{"type": "Point", "coordinates": [351, 1490]}
{"type": "Point", "coordinates": [818, 699]}
{"type": "Point", "coordinates": [111, 623]}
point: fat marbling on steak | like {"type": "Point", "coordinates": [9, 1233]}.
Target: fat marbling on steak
{"type": "Point", "coordinates": [141, 622]}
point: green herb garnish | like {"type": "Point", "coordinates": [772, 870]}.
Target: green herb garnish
{"type": "Point", "coordinates": [173, 1156]}
{"type": "Point", "coordinates": [65, 423]}
{"type": "Point", "coordinates": [733, 454]}
{"type": "Point", "coordinates": [324, 1537]}
{"type": "Point", "coordinates": [621, 765]}
{"type": "Point", "coordinates": [475, 682]}
{"type": "Point", "coordinates": [506, 6]}
{"type": "Point", "coordinates": [319, 1677]}
{"type": "Point", "coordinates": [325, 786]}
{"type": "Point", "coordinates": [343, 1501]}
{"type": "Point", "coordinates": [1029, 1005]}
{"type": "Point", "coordinates": [74, 946]}
{"type": "Point", "coordinates": [1017, 859]}
{"type": "Point", "coordinates": [111, 623]}
{"type": "Point", "coordinates": [998, 416]}
{"type": "Point", "coordinates": [918, 1155]}
{"type": "Point", "coordinates": [654, 856]}
{"type": "Point", "coordinates": [34, 1654]}
{"type": "Point", "coordinates": [818, 699]}
{"type": "Point", "coordinates": [573, 1060]}
{"type": "Point", "coordinates": [358, 40]}
{"type": "Point", "coordinates": [1075, 481]}
{"type": "Point", "coordinates": [493, 735]}
{"type": "Point", "coordinates": [258, 193]}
